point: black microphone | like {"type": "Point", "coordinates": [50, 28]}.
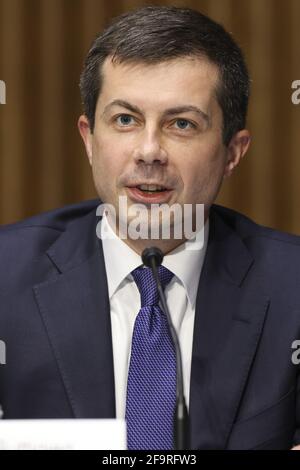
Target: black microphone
{"type": "Point", "coordinates": [153, 257]}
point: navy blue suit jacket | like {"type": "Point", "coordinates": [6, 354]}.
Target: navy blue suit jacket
{"type": "Point", "coordinates": [55, 321]}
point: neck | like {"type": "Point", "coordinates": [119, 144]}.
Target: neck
{"type": "Point", "coordinates": [164, 245]}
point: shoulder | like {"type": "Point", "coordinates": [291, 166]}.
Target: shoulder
{"type": "Point", "coordinates": [56, 219]}
{"type": "Point", "coordinates": [272, 249]}
{"type": "Point", "coordinates": [36, 233]}
{"type": "Point", "coordinates": [247, 229]}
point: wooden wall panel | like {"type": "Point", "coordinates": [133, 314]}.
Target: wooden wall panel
{"type": "Point", "coordinates": [42, 47]}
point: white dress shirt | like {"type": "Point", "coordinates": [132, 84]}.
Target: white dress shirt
{"type": "Point", "coordinates": [125, 302]}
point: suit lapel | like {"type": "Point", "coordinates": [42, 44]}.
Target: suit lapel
{"type": "Point", "coordinates": [74, 306]}
{"type": "Point", "coordinates": [228, 322]}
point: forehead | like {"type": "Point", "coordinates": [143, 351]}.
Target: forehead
{"type": "Point", "coordinates": [186, 79]}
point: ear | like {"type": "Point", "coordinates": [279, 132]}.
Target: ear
{"type": "Point", "coordinates": [86, 134]}
{"type": "Point", "coordinates": [236, 149]}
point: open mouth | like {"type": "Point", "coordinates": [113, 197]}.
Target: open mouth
{"type": "Point", "coordinates": [149, 193]}
{"type": "Point", "coordinates": [150, 188]}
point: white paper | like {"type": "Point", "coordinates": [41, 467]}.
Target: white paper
{"type": "Point", "coordinates": [63, 434]}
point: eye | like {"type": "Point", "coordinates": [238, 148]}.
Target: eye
{"type": "Point", "coordinates": [185, 124]}
{"type": "Point", "coordinates": [124, 119]}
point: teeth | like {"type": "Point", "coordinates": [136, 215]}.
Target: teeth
{"type": "Point", "coordinates": [150, 187]}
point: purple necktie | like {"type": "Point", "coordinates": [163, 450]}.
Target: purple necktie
{"type": "Point", "coordinates": [151, 386]}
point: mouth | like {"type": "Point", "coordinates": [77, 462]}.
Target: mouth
{"type": "Point", "coordinates": [149, 193]}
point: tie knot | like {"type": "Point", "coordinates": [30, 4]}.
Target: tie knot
{"type": "Point", "coordinates": [147, 286]}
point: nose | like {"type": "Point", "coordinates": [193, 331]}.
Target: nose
{"type": "Point", "coordinates": [149, 149]}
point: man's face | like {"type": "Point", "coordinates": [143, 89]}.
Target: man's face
{"type": "Point", "coordinates": [145, 134]}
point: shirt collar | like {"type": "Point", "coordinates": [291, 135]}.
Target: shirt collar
{"type": "Point", "coordinates": [185, 261]}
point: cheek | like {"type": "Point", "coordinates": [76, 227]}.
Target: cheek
{"type": "Point", "coordinates": [106, 167]}
{"type": "Point", "coordinates": [107, 159]}
{"type": "Point", "coordinates": [203, 172]}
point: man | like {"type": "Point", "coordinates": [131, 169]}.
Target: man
{"type": "Point", "coordinates": [165, 93]}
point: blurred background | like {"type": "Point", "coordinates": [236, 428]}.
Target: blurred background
{"type": "Point", "coordinates": [43, 44]}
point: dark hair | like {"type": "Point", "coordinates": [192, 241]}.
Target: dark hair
{"type": "Point", "coordinates": [155, 34]}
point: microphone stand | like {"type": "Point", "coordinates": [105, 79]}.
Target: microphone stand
{"type": "Point", "coordinates": [153, 257]}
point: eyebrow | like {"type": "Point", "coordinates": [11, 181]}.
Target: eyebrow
{"type": "Point", "coordinates": [167, 112]}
